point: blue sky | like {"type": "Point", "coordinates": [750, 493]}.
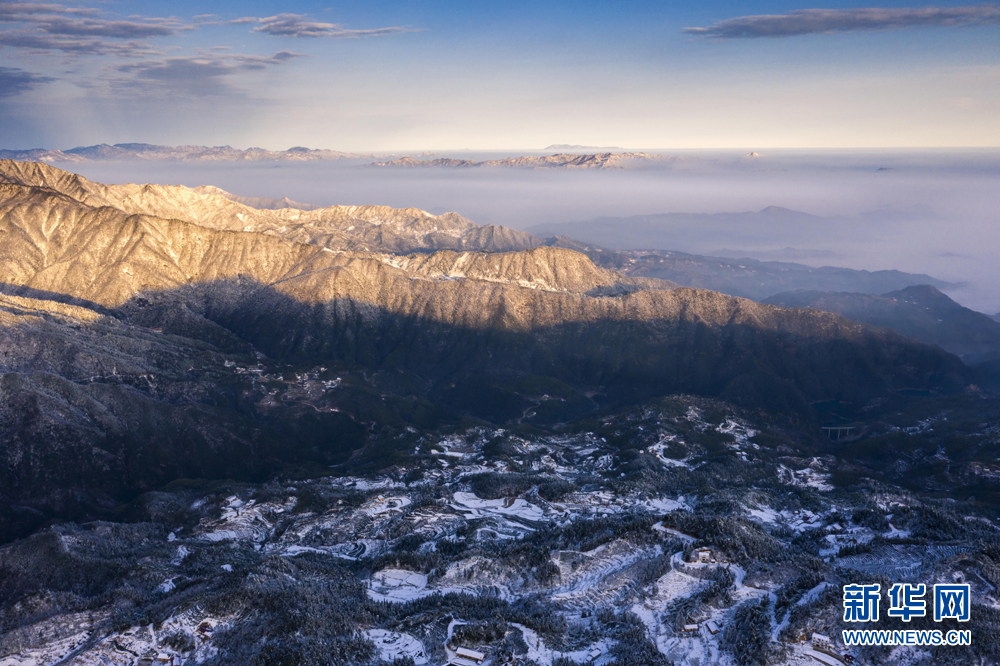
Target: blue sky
{"type": "Point", "coordinates": [408, 76]}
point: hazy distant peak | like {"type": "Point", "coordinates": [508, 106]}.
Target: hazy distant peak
{"type": "Point", "coordinates": [778, 210]}
{"type": "Point", "coordinates": [785, 254]}
{"type": "Point", "coordinates": [604, 160]}
{"type": "Point", "coordinates": [149, 151]}
{"type": "Point", "coordinates": [260, 203]}
{"type": "Point", "coordinates": [751, 155]}
{"type": "Point", "coordinates": [569, 146]}
{"type": "Point", "coordinates": [138, 146]}
{"type": "Point", "coordinates": [921, 312]}
{"type": "Point", "coordinates": [923, 294]}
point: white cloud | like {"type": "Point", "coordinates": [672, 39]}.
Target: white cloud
{"type": "Point", "coordinates": [297, 25]}
{"type": "Point", "coordinates": [821, 21]}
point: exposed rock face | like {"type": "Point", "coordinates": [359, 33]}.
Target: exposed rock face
{"type": "Point", "coordinates": [373, 228]}
{"type": "Point", "coordinates": [546, 268]}
{"type": "Point", "coordinates": [122, 301]}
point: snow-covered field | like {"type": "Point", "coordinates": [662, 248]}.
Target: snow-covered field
{"type": "Point", "coordinates": [385, 530]}
{"type": "Point", "coordinates": [392, 645]}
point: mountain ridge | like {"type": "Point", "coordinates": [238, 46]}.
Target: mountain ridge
{"type": "Point", "coordinates": [137, 349]}
{"type": "Point", "coordinates": [364, 228]}
{"type": "Point", "coordinates": [920, 312]}
{"type": "Point", "coordinates": [109, 256]}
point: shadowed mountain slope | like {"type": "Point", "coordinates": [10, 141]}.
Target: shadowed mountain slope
{"type": "Point", "coordinates": [94, 410]}
{"type": "Point", "coordinates": [922, 313]}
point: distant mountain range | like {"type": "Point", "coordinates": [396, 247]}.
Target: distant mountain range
{"type": "Point", "coordinates": [575, 147]}
{"type": "Point", "coordinates": [921, 312]}
{"type": "Point", "coordinates": [793, 254]}
{"type": "Point", "coordinates": [593, 159]}
{"type": "Point", "coordinates": [147, 151]}
{"type": "Point", "coordinates": [759, 280]}
{"type": "Point", "coordinates": [605, 160]}
{"type": "Point", "coordinates": [644, 245]}
{"type": "Point", "coordinates": [910, 304]}
{"type": "Point", "coordinates": [745, 277]}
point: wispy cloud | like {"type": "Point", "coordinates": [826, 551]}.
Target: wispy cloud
{"type": "Point", "coordinates": [297, 25]}
{"type": "Point", "coordinates": [204, 75]}
{"type": "Point", "coordinates": [81, 31]}
{"type": "Point", "coordinates": [50, 27]}
{"type": "Point", "coordinates": [14, 81]}
{"type": "Point", "coordinates": [58, 19]}
{"type": "Point", "coordinates": [74, 46]}
{"type": "Point", "coordinates": [88, 27]}
{"type": "Point", "coordinates": [820, 21]}
{"type": "Point", "coordinates": [81, 35]}
{"type": "Point", "coordinates": [214, 19]}
{"type": "Point", "coordinates": [16, 11]}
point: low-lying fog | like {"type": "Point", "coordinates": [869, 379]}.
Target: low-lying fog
{"type": "Point", "coordinates": [935, 212]}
